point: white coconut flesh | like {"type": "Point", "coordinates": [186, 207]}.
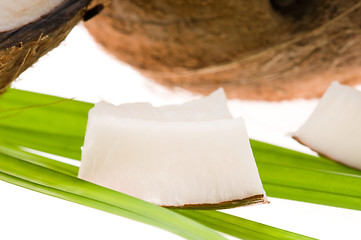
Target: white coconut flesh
{"type": "Point", "coordinates": [17, 13]}
{"type": "Point", "coordinates": [334, 127]}
{"type": "Point", "coordinates": [191, 155]}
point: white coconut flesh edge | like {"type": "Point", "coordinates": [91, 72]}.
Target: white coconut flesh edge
{"type": "Point", "coordinates": [176, 155]}
{"type": "Point", "coordinates": [17, 13]}
{"type": "Point", "coordinates": [334, 127]}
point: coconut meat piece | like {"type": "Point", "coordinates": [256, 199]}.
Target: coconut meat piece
{"type": "Point", "coordinates": [334, 129]}
{"type": "Point", "coordinates": [189, 155]}
{"type": "Point", "coordinates": [17, 13]}
{"type": "Point", "coordinates": [208, 108]}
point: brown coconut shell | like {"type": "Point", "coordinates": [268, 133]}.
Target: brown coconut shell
{"type": "Point", "coordinates": [22, 47]}
{"type": "Point", "coordinates": [269, 50]}
{"type": "Point", "coordinates": [253, 200]}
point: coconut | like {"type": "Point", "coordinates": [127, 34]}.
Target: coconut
{"type": "Point", "coordinates": [333, 129]}
{"type": "Point", "coordinates": [270, 50]}
{"type": "Point", "coordinates": [193, 155]}
{"type": "Point", "coordinates": [31, 28]}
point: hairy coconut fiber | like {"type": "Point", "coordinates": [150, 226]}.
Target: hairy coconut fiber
{"type": "Point", "coordinates": [271, 50]}
{"type": "Point", "coordinates": [23, 46]}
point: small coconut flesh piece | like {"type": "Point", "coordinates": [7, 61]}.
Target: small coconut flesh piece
{"type": "Point", "coordinates": [193, 155]}
{"type": "Point", "coordinates": [334, 128]}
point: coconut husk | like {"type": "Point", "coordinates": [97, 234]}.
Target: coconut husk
{"type": "Point", "coordinates": [263, 50]}
{"type": "Point", "coordinates": [22, 47]}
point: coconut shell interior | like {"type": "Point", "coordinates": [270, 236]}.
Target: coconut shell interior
{"type": "Point", "coordinates": [264, 50]}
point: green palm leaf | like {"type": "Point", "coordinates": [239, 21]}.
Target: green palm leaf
{"type": "Point", "coordinates": [59, 180]}
{"type": "Point", "coordinates": [56, 125]}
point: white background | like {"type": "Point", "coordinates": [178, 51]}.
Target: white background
{"type": "Point", "coordinates": [81, 69]}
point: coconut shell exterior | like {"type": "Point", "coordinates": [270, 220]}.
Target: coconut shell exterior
{"type": "Point", "coordinates": [22, 47]}
{"type": "Point", "coordinates": [256, 50]}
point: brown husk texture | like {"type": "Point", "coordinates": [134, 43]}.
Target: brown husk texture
{"type": "Point", "coordinates": [251, 48]}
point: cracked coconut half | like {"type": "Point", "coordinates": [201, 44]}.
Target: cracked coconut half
{"type": "Point", "coordinates": [193, 155]}
{"type": "Point", "coordinates": [334, 129]}
{"type": "Point", "coordinates": [31, 28]}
